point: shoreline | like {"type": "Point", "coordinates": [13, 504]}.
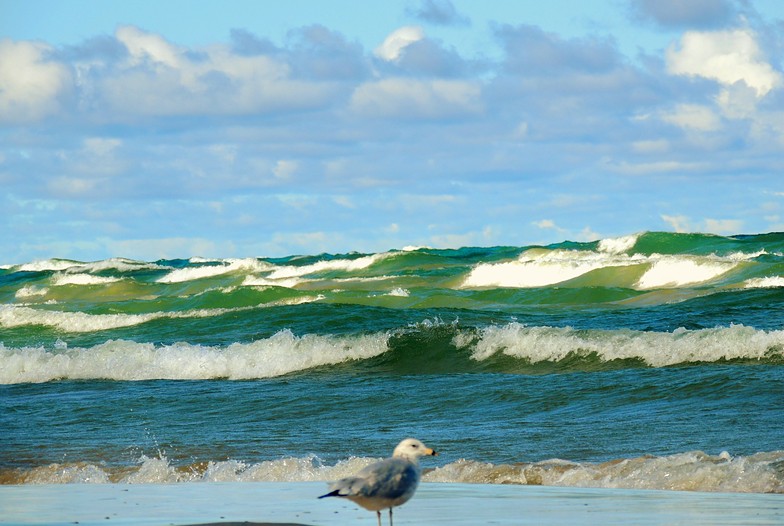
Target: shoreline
{"type": "Point", "coordinates": [296, 504]}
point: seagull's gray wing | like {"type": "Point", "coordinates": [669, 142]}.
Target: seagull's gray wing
{"type": "Point", "coordinates": [391, 479]}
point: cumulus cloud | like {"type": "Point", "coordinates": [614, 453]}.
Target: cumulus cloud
{"type": "Point", "coordinates": [680, 13]}
{"type": "Point", "coordinates": [318, 53]}
{"type": "Point", "coordinates": [693, 116]}
{"type": "Point", "coordinates": [397, 41]}
{"type": "Point", "coordinates": [723, 226]}
{"type": "Point", "coordinates": [439, 12]}
{"type": "Point", "coordinates": [724, 56]}
{"type": "Point", "coordinates": [285, 169]}
{"type": "Point", "coordinates": [531, 50]}
{"type": "Point", "coordinates": [411, 98]}
{"type": "Point", "coordinates": [251, 139]}
{"type": "Point", "coordinates": [679, 223]}
{"type": "Point", "coordinates": [683, 224]}
{"type": "Point", "coordinates": [31, 85]}
{"type": "Point", "coordinates": [161, 79]}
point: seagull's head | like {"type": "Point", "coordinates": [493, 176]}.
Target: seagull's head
{"type": "Point", "coordinates": [411, 449]}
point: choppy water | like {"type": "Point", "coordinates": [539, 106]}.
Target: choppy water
{"type": "Point", "coordinates": [650, 361]}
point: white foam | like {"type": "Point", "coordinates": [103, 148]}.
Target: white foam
{"type": "Point", "coordinates": [81, 322]}
{"type": "Point", "coordinates": [123, 360]}
{"type": "Point", "coordinates": [291, 271]}
{"type": "Point", "coordinates": [400, 292]}
{"type": "Point", "coordinates": [18, 316]}
{"type": "Point", "coordinates": [289, 283]}
{"type": "Point", "coordinates": [209, 271]}
{"type": "Point", "coordinates": [657, 349]}
{"type": "Point", "coordinates": [768, 282]}
{"type": "Point", "coordinates": [677, 271]}
{"type": "Point", "coordinates": [618, 245]}
{"type": "Point", "coordinates": [30, 291]}
{"type": "Point", "coordinates": [693, 471]}
{"type": "Point", "coordinates": [81, 279]}
{"type": "Point", "coordinates": [47, 264]}
{"type": "Point", "coordinates": [119, 264]}
{"type": "Point", "coordinates": [539, 268]}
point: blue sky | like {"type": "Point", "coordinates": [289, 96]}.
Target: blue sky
{"type": "Point", "coordinates": [241, 128]}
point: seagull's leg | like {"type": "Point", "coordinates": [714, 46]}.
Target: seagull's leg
{"type": "Point", "coordinates": [378, 514]}
{"type": "Point", "coordinates": [390, 516]}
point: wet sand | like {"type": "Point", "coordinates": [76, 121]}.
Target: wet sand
{"type": "Point", "coordinates": [296, 504]}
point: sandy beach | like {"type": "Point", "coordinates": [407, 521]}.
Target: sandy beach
{"type": "Point", "coordinates": [435, 503]}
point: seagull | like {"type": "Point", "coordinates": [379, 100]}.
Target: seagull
{"type": "Point", "coordinates": [387, 483]}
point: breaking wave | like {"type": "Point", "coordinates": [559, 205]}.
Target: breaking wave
{"type": "Point", "coordinates": [427, 348]}
{"type": "Point", "coordinates": [690, 471]}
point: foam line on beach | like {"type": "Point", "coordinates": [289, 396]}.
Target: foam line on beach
{"type": "Point", "coordinates": [688, 471]}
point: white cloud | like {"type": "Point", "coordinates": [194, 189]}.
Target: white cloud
{"type": "Point", "coordinates": [298, 201]}
{"type": "Point", "coordinates": [545, 224]}
{"type": "Point", "coordinates": [683, 224]}
{"type": "Point", "coordinates": [587, 234]}
{"type": "Point", "coordinates": [486, 237]}
{"type": "Point", "coordinates": [30, 85]}
{"type": "Point", "coordinates": [99, 156]}
{"type": "Point", "coordinates": [392, 47]}
{"type": "Point", "coordinates": [71, 186]}
{"type": "Point", "coordinates": [285, 169]}
{"type": "Point", "coordinates": [144, 46]}
{"type": "Point", "coordinates": [405, 97]}
{"type": "Point", "coordinates": [680, 13]}
{"type": "Point", "coordinates": [167, 248]}
{"type": "Point", "coordinates": [679, 223]}
{"type": "Point", "coordinates": [693, 116]}
{"type": "Point", "coordinates": [651, 146]}
{"type": "Point", "coordinates": [162, 79]}
{"type": "Point", "coordinates": [723, 226]}
{"type": "Point", "coordinates": [725, 56]}
{"type": "Point", "coordinates": [345, 201]}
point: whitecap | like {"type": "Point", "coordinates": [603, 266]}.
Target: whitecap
{"type": "Point", "coordinates": [768, 282]}
{"type": "Point", "coordinates": [81, 279]}
{"type": "Point", "coordinates": [124, 360]}
{"type": "Point", "coordinates": [618, 245]}
{"type": "Point", "coordinates": [291, 271]}
{"type": "Point", "coordinates": [678, 271]}
{"type": "Point", "coordinates": [539, 268]}
{"type": "Point", "coordinates": [209, 271]}
{"type": "Point", "coordinates": [657, 349]}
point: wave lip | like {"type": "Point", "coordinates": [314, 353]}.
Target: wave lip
{"type": "Point", "coordinates": [292, 271]}
{"type": "Point", "coordinates": [769, 282]}
{"type": "Point", "coordinates": [691, 471]}
{"type": "Point", "coordinates": [512, 348]}
{"type": "Point", "coordinates": [538, 268]}
{"type": "Point", "coordinates": [208, 271]}
{"type": "Point", "coordinates": [669, 271]}
{"type": "Point", "coordinates": [281, 354]}
{"type": "Point", "coordinates": [82, 279]}
{"type": "Point", "coordinates": [656, 349]}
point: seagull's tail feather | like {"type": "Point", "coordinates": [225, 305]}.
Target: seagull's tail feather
{"type": "Point", "coordinates": [335, 493]}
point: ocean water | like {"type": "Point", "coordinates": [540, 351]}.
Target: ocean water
{"type": "Point", "coordinates": [651, 361]}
